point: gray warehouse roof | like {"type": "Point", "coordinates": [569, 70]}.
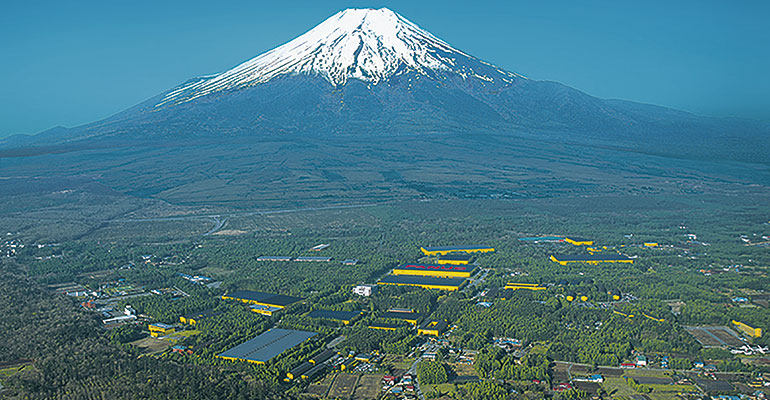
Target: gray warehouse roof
{"type": "Point", "coordinates": [267, 345]}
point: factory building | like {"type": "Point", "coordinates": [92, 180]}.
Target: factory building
{"type": "Point", "coordinates": [273, 258]}
{"type": "Point", "coordinates": [194, 318]}
{"type": "Point", "coordinates": [426, 282]}
{"type": "Point", "coordinates": [591, 258]}
{"type": "Point", "coordinates": [753, 332]}
{"type": "Point", "coordinates": [579, 241]}
{"type": "Point", "coordinates": [433, 251]}
{"type": "Point", "coordinates": [261, 298]}
{"type": "Point", "coordinates": [346, 317]}
{"type": "Point", "coordinates": [384, 326]}
{"type": "Point", "coordinates": [322, 356]}
{"type": "Point", "coordinates": [410, 317]}
{"type": "Point", "coordinates": [297, 371]}
{"type": "Point", "coordinates": [432, 327]}
{"type": "Point", "coordinates": [320, 247]}
{"type": "Point", "coordinates": [455, 259]}
{"type": "Point", "coordinates": [264, 309]}
{"type": "Point", "coordinates": [313, 259]}
{"type": "Point", "coordinates": [264, 347]}
{"type": "Point", "coordinates": [314, 371]}
{"type": "Point", "coordinates": [160, 329]}
{"type": "Point", "coordinates": [441, 271]}
{"type": "Point", "coordinates": [525, 286]}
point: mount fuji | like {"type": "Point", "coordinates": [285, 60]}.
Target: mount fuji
{"type": "Point", "coordinates": [373, 72]}
{"type": "Point", "coordinates": [371, 87]}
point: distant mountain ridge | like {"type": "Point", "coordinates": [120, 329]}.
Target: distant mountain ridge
{"type": "Point", "coordinates": [373, 72]}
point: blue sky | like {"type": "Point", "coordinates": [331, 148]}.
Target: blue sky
{"type": "Point", "coordinates": [69, 63]}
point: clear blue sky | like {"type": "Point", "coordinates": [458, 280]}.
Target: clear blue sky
{"type": "Point", "coordinates": [72, 62]}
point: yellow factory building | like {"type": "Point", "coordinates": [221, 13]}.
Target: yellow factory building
{"type": "Point", "coordinates": [425, 282]}
{"type": "Point", "coordinates": [578, 241]}
{"type": "Point", "coordinates": [745, 328]}
{"type": "Point", "coordinates": [455, 259]}
{"type": "Point", "coordinates": [439, 271]}
{"type": "Point", "coordinates": [159, 329]}
{"type": "Point", "coordinates": [527, 286]}
{"type": "Point", "coordinates": [432, 327]}
{"type": "Point", "coordinates": [590, 259]}
{"type": "Point", "coordinates": [433, 251]}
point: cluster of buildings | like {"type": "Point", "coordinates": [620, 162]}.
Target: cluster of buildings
{"type": "Point", "coordinates": [10, 247]}
{"type": "Point", "coordinates": [298, 259]}
{"type": "Point", "coordinates": [330, 359]}
{"type": "Point", "coordinates": [592, 256]}
{"type": "Point", "coordinates": [261, 302]}
{"type": "Point", "coordinates": [749, 350]}
{"type": "Point", "coordinates": [450, 272]}
{"type": "Point", "coordinates": [114, 318]}
{"type": "Point", "coordinates": [429, 327]}
{"type": "Point", "coordinates": [197, 279]}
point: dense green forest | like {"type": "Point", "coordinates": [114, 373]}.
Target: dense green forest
{"type": "Point", "coordinates": [72, 356]}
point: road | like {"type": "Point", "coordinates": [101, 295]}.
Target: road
{"type": "Point", "coordinates": [430, 348]}
{"type": "Point", "coordinates": [218, 224]}
{"type": "Point", "coordinates": [477, 280]}
{"type": "Point", "coordinates": [219, 220]}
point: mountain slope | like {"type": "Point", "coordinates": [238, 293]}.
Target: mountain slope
{"type": "Point", "coordinates": [373, 72]}
{"type": "Point", "coordinates": [363, 44]}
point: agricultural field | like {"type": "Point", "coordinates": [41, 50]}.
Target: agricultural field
{"type": "Point", "coordinates": [343, 386]}
{"type": "Point", "coordinates": [369, 387]}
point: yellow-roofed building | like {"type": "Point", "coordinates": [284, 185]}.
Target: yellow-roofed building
{"type": "Point", "coordinates": [160, 329]}
{"type": "Point", "coordinates": [745, 328]}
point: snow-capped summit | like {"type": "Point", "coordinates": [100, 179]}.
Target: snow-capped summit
{"type": "Point", "coordinates": [370, 45]}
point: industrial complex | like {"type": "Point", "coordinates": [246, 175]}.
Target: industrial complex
{"type": "Point", "coordinates": [441, 271]}
{"type": "Point", "coordinates": [432, 251]}
{"type": "Point", "coordinates": [591, 258]}
{"type": "Point", "coordinates": [261, 298]}
{"type": "Point", "coordinates": [427, 282]}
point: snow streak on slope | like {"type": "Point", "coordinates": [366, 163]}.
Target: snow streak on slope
{"type": "Point", "coordinates": [365, 44]}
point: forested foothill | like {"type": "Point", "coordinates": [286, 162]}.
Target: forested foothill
{"type": "Point", "coordinates": [707, 268]}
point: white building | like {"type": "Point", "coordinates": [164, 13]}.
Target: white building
{"type": "Point", "coordinates": [365, 290]}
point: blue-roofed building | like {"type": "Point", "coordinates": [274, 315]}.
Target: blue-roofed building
{"type": "Point", "coordinates": [264, 347]}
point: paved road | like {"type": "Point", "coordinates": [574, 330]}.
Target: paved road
{"type": "Point", "coordinates": [218, 224]}
{"type": "Point", "coordinates": [219, 220]}
{"type": "Point", "coordinates": [431, 347]}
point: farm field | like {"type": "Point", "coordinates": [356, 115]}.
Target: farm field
{"type": "Point", "coordinates": [369, 387]}
{"type": "Point", "coordinates": [343, 385]}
